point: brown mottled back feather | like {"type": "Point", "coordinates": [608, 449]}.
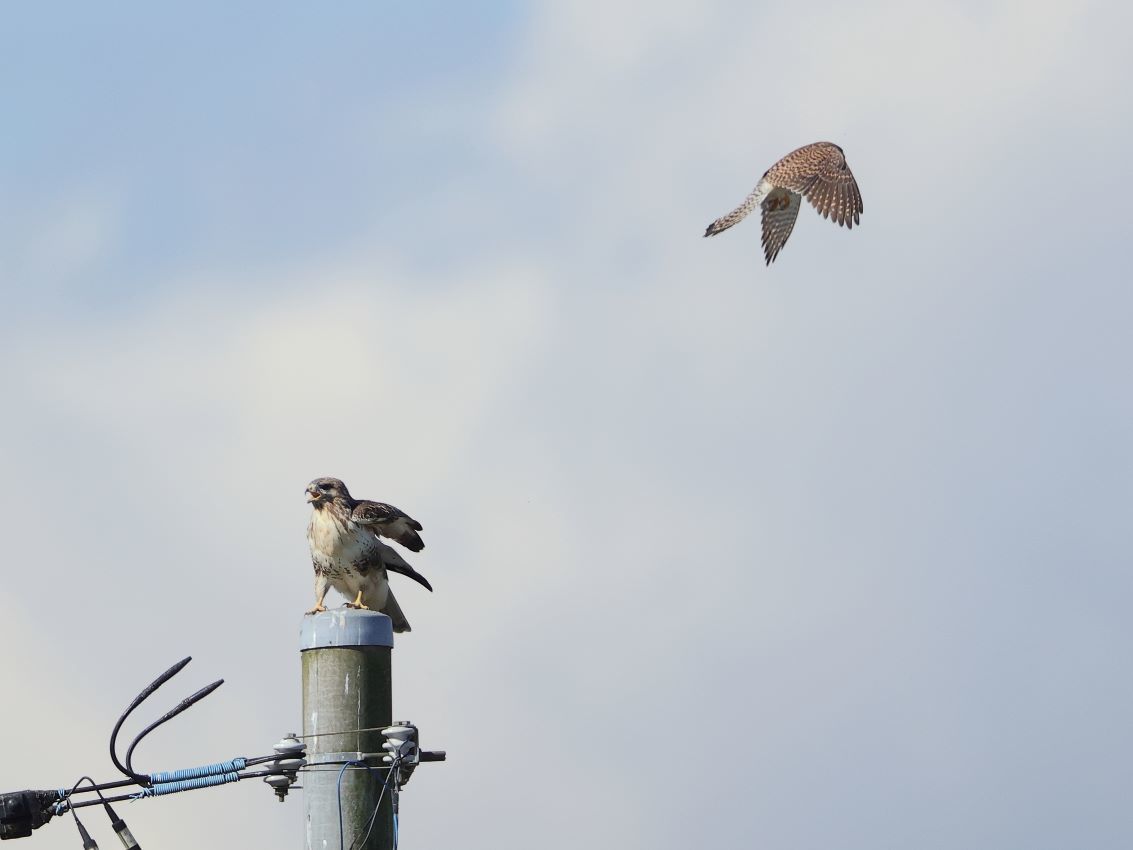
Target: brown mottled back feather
{"type": "Point", "coordinates": [819, 172]}
{"type": "Point", "coordinates": [390, 522]}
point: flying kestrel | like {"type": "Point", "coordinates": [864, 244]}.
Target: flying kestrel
{"type": "Point", "coordinates": [817, 172]}
{"type": "Point", "coordinates": [347, 554]}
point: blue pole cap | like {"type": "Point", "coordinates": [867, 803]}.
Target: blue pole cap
{"type": "Point", "coordinates": [345, 627]}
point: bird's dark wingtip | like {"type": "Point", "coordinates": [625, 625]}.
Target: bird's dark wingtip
{"type": "Point", "coordinates": [409, 572]}
{"type": "Point", "coordinates": [412, 541]}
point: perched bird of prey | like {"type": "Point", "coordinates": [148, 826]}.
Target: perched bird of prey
{"type": "Point", "coordinates": [816, 172]}
{"type": "Point", "coordinates": [347, 554]}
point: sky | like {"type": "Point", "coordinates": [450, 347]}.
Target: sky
{"type": "Point", "coordinates": [833, 553]}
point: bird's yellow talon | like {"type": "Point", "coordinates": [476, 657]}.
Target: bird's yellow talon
{"type": "Point", "coordinates": [357, 603]}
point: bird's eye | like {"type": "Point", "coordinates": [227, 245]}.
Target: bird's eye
{"type": "Point", "coordinates": [324, 487]}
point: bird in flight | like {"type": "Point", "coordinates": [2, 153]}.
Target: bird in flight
{"type": "Point", "coordinates": [816, 172]}
{"type": "Point", "coordinates": [348, 555]}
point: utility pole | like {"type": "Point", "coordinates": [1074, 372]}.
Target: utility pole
{"type": "Point", "coordinates": [346, 687]}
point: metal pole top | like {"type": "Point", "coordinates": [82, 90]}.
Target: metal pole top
{"type": "Point", "coordinates": [345, 627]}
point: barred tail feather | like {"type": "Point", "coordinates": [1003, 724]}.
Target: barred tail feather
{"type": "Point", "coordinates": [739, 213]}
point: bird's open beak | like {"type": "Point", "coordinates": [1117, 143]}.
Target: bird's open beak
{"type": "Point", "coordinates": [312, 495]}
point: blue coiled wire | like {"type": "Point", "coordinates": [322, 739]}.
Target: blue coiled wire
{"type": "Point", "coordinates": [197, 772]}
{"type": "Point", "coordinates": [161, 788]}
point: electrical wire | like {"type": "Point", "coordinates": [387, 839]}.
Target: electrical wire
{"type": "Point", "coordinates": [88, 842]}
{"type": "Point", "coordinates": [254, 774]}
{"type": "Point", "coordinates": [123, 797]}
{"type": "Point", "coordinates": [261, 759]}
{"type": "Point", "coordinates": [344, 732]}
{"type": "Point", "coordinates": [65, 796]}
{"type": "Point", "coordinates": [396, 797]}
{"type": "Point", "coordinates": [374, 815]}
{"type": "Point", "coordinates": [118, 798]}
{"type": "Point", "coordinates": [138, 700]}
{"type": "Point", "coordinates": [101, 786]}
{"type": "Point", "coordinates": [326, 766]}
{"type": "Point", "coordinates": [169, 715]}
{"type": "Point", "coordinates": [150, 784]}
{"type": "Point", "coordinates": [338, 794]}
{"type": "Point", "coordinates": [96, 788]}
{"type": "Point", "coordinates": [116, 823]}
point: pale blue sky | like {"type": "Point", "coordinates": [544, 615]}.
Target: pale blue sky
{"type": "Point", "coordinates": [864, 513]}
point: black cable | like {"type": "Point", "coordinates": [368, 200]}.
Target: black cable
{"type": "Point", "coordinates": [138, 700]}
{"type": "Point", "coordinates": [338, 792]}
{"type": "Point", "coordinates": [169, 715]}
{"type": "Point", "coordinates": [121, 798]}
{"type": "Point", "coordinates": [116, 823]}
{"type": "Point", "coordinates": [88, 842]}
{"type": "Point", "coordinates": [255, 774]}
{"type": "Point", "coordinates": [120, 828]}
{"type": "Point", "coordinates": [374, 814]}
{"type": "Point", "coordinates": [102, 786]}
{"type": "Point", "coordinates": [261, 759]}
{"type": "Point", "coordinates": [96, 788]}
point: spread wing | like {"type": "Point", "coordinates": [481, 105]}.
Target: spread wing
{"type": "Point", "coordinates": [835, 192]}
{"type": "Point", "coordinates": [819, 172]}
{"type": "Point", "coordinates": [390, 522]}
{"type": "Point", "coordinates": [780, 209]}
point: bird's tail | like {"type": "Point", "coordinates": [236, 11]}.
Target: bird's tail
{"type": "Point", "coordinates": [392, 610]}
{"type": "Point", "coordinates": [739, 213]}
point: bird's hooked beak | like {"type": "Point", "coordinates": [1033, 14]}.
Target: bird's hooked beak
{"type": "Point", "coordinates": [312, 495]}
